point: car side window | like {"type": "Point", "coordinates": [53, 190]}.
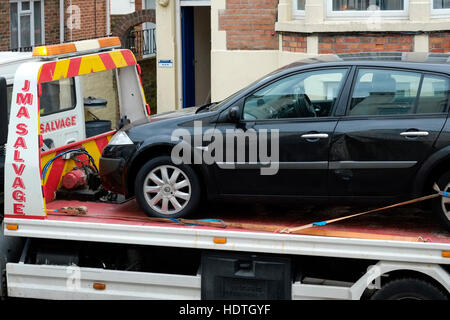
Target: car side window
{"type": "Point", "coordinates": [305, 95]}
{"type": "Point", "coordinates": [384, 92]}
{"type": "Point", "coordinates": [434, 94]}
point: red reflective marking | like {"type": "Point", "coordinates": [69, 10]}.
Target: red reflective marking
{"type": "Point", "coordinates": [101, 143]}
{"type": "Point", "coordinates": [54, 176]}
{"type": "Point", "coordinates": [47, 72]}
{"type": "Point", "coordinates": [128, 56]}
{"type": "Point", "coordinates": [108, 62]}
{"type": "Point", "coordinates": [74, 67]}
{"type": "Point", "coordinates": [13, 216]}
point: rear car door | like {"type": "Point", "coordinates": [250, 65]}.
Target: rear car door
{"type": "Point", "coordinates": [300, 108]}
{"type": "Point", "coordinates": [392, 121]}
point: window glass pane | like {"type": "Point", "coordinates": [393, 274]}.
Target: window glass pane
{"type": "Point", "coordinates": [384, 92]}
{"type": "Point", "coordinates": [300, 4]}
{"type": "Point", "coordinates": [57, 96]}
{"type": "Point", "coordinates": [14, 26]}
{"type": "Point", "coordinates": [309, 94]}
{"type": "Point", "coordinates": [366, 5]}
{"type": "Point", "coordinates": [150, 4]}
{"type": "Point", "coordinates": [25, 5]}
{"type": "Point", "coordinates": [434, 95]}
{"type": "Point", "coordinates": [25, 39]}
{"type": "Point", "coordinates": [441, 4]}
{"type": "Point", "coordinates": [37, 23]}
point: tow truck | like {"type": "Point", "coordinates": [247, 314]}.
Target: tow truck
{"type": "Point", "coordinates": [65, 238]}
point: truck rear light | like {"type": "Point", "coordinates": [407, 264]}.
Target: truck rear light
{"type": "Point", "coordinates": [446, 254]}
{"type": "Point", "coordinates": [220, 240]}
{"type": "Point", "coordinates": [99, 286]}
{"type": "Point", "coordinates": [12, 227]}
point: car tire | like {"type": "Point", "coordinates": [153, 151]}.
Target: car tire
{"type": "Point", "coordinates": [441, 208]}
{"type": "Point", "coordinates": [161, 195]}
{"type": "Point", "coordinates": [409, 289]}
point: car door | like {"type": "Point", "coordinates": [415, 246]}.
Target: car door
{"type": "Point", "coordinates": [295, 113]}
{"type": "Point", "coordinates": [392, 121]}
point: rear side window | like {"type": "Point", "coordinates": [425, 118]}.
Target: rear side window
{"type": "Point", "coordinates": [57, 96]}
{"type": "Point", "coordinates": [395, 92]}
{"type": "Point", "coordinates": [434, 94]}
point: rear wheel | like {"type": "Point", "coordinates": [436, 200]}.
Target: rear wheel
{"type": "Point", "coordinates": [166, 190]}
{"type": "Point", "coordinates": [409, 289]}
{"type": "Point", "coordinates": [441, 205]}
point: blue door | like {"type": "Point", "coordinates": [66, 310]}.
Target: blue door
{"type": "Point", "coordinates": [187, 38]}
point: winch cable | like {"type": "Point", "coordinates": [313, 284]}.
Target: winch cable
{"type": "Point", "coordinates": [404, 203]}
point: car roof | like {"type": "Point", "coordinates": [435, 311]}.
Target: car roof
{"type": "Point", "coordinates": [431, 62]}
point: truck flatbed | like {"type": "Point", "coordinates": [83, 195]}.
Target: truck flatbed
{"type": "Point", "coordinates": [407, 234]}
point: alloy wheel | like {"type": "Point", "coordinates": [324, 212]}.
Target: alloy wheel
{"type": "Point", "coordinates": [167, 189]}
{"type": "Point", "coordinates": [445, 202]}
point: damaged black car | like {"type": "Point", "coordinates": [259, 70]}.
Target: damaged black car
{"type": "Point", "coordinates": [341, 130]}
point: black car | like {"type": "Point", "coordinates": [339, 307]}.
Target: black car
{"type": "Point", "coordinates": [346, 130]}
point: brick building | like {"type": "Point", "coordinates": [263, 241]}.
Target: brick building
{"type": "Point", "coordinates": [27, 23]}
{"type": "Point", "coordinates": [279, 32]}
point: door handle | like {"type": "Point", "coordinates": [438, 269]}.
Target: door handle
{"type": "Point", "coordinates": [414, 134]}
{"type": "Point", "coordinates": [315, 136]}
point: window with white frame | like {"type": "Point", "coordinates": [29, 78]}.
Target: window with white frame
{"type": "Point", "coordinates": [367, 7]}
{"type": "Point", "coordinates": [441, 4]}
{"type": "Point", "coordinates": [26, 23]}
{"type": "Point", "coordinates": [299, 7]}
{"type": "Point", "coordinates": [440, 8]}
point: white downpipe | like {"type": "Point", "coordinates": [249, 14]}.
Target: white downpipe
{"type": "Point", "coordinates": [179, 56]}
{"type": "Point", "coordinates": [108, 17]}
{"type": "Point", "coordinates": [61, 21]}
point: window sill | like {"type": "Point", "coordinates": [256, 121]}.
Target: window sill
{"type": "Point", "coordinates": [361, 25]}
{"type": "Point", "coordinates": [440, 14]}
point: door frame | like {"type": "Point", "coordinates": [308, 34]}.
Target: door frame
{"type": "Point", "coordinates": [179, 30]}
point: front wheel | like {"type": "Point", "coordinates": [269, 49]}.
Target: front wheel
{"type": "Point", "coordinates": [166, 190]}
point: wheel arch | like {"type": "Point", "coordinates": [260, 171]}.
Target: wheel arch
{"type": "Point", "coordinates": [154, 150]}
{"type": "Point", "coordinates": [433, 274]}
{"type": "Point", "coordinates": [436, 164]}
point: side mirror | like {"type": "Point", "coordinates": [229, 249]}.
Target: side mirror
{"type": "Point", "coordinates": [3, 111]}
{"type": "Point", "coordinates": [234, 114]}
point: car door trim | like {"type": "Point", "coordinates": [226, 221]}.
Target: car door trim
{"type": "Point", "coordinates": [335, 165]}
{"type": "Point", "coordinates": [313, 165]}
{"type": "Point", "coordinates": [320, 165]}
